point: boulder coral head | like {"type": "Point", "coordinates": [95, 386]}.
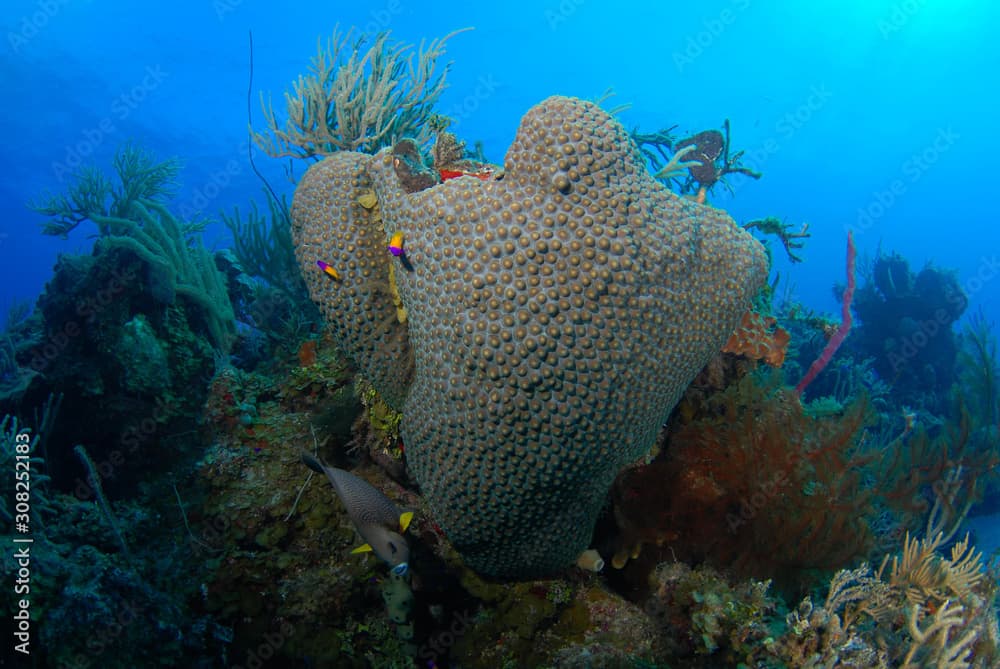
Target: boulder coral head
{"type": "Point", "coordinates": [554, 316]}
{"type": "Point", "coordinates": [335, 221]}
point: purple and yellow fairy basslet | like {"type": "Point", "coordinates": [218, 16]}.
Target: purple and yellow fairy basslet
{"type": "Point", "coordinates": [329, 270]}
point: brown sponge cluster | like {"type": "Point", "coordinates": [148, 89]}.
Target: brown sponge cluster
{"type": "Point", "coordinates": [556, 313]}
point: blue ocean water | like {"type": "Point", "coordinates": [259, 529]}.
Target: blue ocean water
{"type": "Point", "coordinates": [865, 118]}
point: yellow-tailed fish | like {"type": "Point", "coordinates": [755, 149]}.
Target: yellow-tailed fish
{"type": "Point", "coordinates": [376, 517]}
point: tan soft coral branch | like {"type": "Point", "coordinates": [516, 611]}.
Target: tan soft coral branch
{"type": "Point", "coordinates": [357, 99]}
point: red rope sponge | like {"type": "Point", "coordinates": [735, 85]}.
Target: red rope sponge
{"type": "Point", "coordinates": [845, 325]}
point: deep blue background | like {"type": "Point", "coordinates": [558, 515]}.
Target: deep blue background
{"type": "Point", "coordinates": [838, 106]}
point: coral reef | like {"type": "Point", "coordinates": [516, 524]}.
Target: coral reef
{"type": "Point", "coordinates": [500, 342]}
{"type": "Point", "coordinates": [143, 358]}
{"type": "Point", "coordinates": [91, 608]}
{"type": "Point", "coordinates": [700, 612]}
{"type": "Point", "coordinates": [112, 615]}
{"type": "Point", "coordinates": [175, 266]}
{"type": "Point", "coordinates": [359, 99]}
{"type": "Point", "coordinates": [20, 334]}
{"type": "Point", "coordinates": [790, 239]}
{"type": "Point", "coordinates": [335, 202]}
{"type": "Point", "coordinates": [279, 541]}
{"type": "Point", "coordinates": [101, 339]}
{"type": "Point", "coordinates": [752, 483]}
{"type": "Point", "coordinates": [926, 610]}
{"type": "Point", "coordinates": [979, 369]}
{"type": "Point", "coordinates": [750, 480]}
{"type": "Point", "coordinates": [269, 294]}
{"type": "Point", "coordinates": [840, 334]}
{"type": "Point", "coordinates": [130, 333]}
{"type": "Point", "coordinates": [956, 469]}
{"type": "Point", "coordinates": [29, 500]}
{"type": "Point", "coordinates": [565, 623]}
{"type": "Point", "coordinates": [263, 247]}
{"type": "Point", "coordinates": [704, 156]}
{"type": "Point", "coordinates": [759, 337]}
{"type": "Point", "coordinates": [132, 216]}
{"type": "Point", "coordinates": [906, 327]}
{"type": "Point", "coordinates": [139, 178]}
{"type": "Point", "coordinates": [575, 239]}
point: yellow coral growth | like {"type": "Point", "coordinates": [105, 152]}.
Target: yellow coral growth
{"type": "Point", "coordinates": [397, 301]}
{"type": "Point", "coordinates": [946, 604]}
{"type": "Point", "coordinates": [938, 643]}
{"type": "Point", "coordinates": [925, 577]}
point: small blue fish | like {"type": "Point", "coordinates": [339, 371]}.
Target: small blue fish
{"type": "Point", "coordinates": [376, 517]}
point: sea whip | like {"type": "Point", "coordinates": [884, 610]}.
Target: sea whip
{"type": "Point", "coordinates": [845, 325]}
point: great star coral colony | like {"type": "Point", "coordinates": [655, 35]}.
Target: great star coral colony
{"type": "Point", "coordinates": [554, 317]}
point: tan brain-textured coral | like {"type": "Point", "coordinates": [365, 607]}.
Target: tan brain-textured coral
{"type": "Point", "coordinates": [556, 316]}
{"type": "Point", "coordinates": [335, 219]}
{"type": "Point", "coordinates": [555, 313]}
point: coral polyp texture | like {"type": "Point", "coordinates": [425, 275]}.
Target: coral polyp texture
{"type": "Point", "coordinates": [555, 313]}
{"type": "Point", "coordinates": [335, 221]}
